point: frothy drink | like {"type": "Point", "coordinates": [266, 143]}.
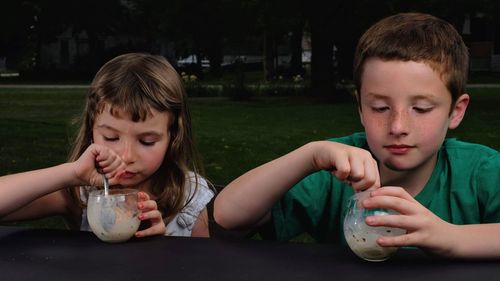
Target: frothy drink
{"type": "Point", "coordinates": [113, 217]}
{"type": "Point", "coordinates": [362, 238]}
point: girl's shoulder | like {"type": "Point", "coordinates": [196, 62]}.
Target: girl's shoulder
{"type": "Point", "coordinates": [197, 186]}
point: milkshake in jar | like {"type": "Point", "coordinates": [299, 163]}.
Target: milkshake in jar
{"type": "Point", "coordinates": [113, 217]}
{"type": "Point", "coordinates": [362, 238]}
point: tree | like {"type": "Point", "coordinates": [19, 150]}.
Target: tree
{"type": "Point", "coordinates": [17, 23]}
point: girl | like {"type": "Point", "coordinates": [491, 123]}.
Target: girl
{"type": "Point", "coordinates": [136, 130]}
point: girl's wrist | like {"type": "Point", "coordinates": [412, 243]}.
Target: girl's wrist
{"type": "Point", "coordinates": [69, 174]}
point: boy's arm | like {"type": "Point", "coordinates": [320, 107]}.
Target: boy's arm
{"type": "Point", "coordinates": [476, 241]}
{"type": "Point", "coordinates": [247, 200]}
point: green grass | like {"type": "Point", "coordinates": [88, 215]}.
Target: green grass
{"type": "Point", "coordinates": [232, 137]}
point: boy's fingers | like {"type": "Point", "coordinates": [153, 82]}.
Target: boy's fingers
{"type": "Point", "coordinates": [397, 241]}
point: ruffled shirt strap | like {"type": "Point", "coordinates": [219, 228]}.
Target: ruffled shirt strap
{"type": "Point", "coordinates": [199, 195]}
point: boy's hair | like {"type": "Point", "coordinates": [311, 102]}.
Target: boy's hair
{"type": "Point", "coordinates": [136, 83]}
{"type": "Point", "coordinates": [420, 38]}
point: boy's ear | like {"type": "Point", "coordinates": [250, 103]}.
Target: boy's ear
{"type": "Point", "coordinates": [358, 103]}
{"type": "Point", "coordinates": [458, 111]}
{"type": "Point", "coordinates": [360, 115]}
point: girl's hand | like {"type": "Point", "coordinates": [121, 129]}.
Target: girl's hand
{"type": "Point", "coordinates": [424, 228]}
{"type": "Point", "coordinates": [96, 160]}
{"type": "Point", "coordinates": [347, 163]}
{"type": "Point", "coordinates": [149, 211]}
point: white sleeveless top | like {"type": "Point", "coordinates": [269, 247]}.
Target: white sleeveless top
{"type": "Point", "coordinates": [182, 224]}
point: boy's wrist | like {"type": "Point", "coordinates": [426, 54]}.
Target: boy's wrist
{"type": "Point", "coordinates": [310, 151]}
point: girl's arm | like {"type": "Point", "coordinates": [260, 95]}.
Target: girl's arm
{"type": "Point", "coordinates": [201, 228]}
{"type": "Point", "coordinates": [32, 194]}
{"type": "Point", "coordinates": [19, 190]}
{"type": "Point", "coordinates": [246, 201]}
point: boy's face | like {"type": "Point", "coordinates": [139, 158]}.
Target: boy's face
{"type": "Point", "coordinates": [405, 110]}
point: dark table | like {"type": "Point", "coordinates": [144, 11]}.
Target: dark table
{"type": "Point", "coordinates": [71, 255]}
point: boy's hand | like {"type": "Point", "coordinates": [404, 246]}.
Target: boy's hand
{"type": "Point", "coordinates": [148, 210]}
{"type": "Point", "coordinates": [96, 160]}
{"type": "Point", "coordinates": [424, 228]}
{"type": "Point", "coordinates": [350, 164]}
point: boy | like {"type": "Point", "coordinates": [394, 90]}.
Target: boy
{"type": "Point", "coordinates": [410, 72]}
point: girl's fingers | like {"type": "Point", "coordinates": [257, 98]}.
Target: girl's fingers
{"type": "Point", "coordinates": [147, 205]}
{"type": "Point", "coordinates": [157, 224]}
{"type": "Point", "coordinates": [157, 229]}
{"type": "Point", "coordinates": [151, 215]}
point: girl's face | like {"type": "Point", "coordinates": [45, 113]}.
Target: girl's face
{"type": "Point", "coordinates": [405, 110]}
{"type": "Point", "coordinates": [141, 145]}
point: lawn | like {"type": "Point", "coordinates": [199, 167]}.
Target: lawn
{"type": "Point", "coordinates": [232, 137]}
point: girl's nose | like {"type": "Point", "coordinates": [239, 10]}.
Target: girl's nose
{"type": "Point", "coordinates": [128, 153]}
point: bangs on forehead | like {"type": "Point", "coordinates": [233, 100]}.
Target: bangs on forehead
{"type": "Point", "coordinates": [137, 110]}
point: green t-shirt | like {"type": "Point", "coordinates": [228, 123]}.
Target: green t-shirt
{"type": "Point", "coordinates": [463, 189]}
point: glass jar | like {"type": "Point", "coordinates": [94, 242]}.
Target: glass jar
{"type": "Point", "coordinates": [362, 238]}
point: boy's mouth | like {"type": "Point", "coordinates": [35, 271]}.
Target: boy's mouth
{"type": "Point", "coordinates": [398, 149]}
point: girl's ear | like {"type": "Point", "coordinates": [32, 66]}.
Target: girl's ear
{"type": "Point", "coordinates": [458, 111]}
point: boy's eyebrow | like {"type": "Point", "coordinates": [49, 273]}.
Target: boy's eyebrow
{"type": "Point", "coordinates": [424, 97]}
{"type": "Point", "coordinates": [377, 96]}
{"type": "Point", "coordinates": [421, 96]}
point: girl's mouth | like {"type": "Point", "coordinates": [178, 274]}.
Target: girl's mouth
{"type": "Point", "coordinates": [127, 175]}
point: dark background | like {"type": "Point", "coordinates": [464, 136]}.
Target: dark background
{"type": "Point", "coordinates": [68, 40]}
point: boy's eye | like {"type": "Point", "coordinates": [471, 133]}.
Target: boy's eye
{"type": "Point", "coordinates": [110, 138]}
{"type": "Point", "coordinates": [380, 108]}
{"type": "Point", "coordinates": [422, 109]}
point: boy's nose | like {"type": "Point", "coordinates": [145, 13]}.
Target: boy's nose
{"type": "Point", "coordinates": [399, 123]}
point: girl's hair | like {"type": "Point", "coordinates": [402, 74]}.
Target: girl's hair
{"type": "Point", "coordinates": [137, 83]}
{"type": "Point", "coordinates": [416, 37]}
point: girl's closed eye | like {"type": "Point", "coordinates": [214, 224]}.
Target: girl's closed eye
{"type": "Point", "coordinates": [110, 139]}
{"type": "Point", "coordinates": [147, 142]}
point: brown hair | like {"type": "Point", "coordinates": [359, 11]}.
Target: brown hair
{"type": "Point", "coordinates": [416, 37]}
{"type": "Point", "coordinates": [137, 83]}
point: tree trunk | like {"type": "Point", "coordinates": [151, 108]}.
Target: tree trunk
{"type": "Point", "coordinates": [322, 75]}
{"type": "Point", "coordinates": [269, 57]}
{"type": "Point", "coordinates": [296, 50]}
{"type": "Point", "coordinates": [215, 56]}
